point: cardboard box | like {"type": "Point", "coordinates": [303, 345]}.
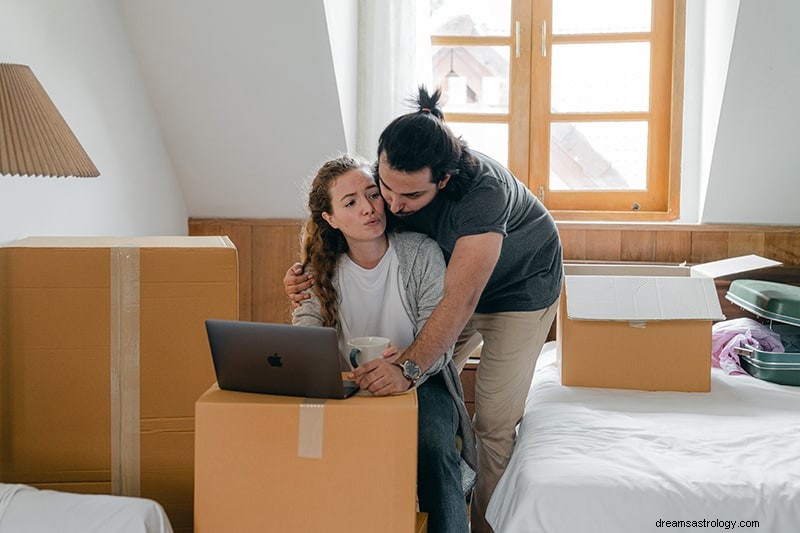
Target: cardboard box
{"type": "Point", "coordinates": [288, 464]}
{"type": "Point", "coordinates": [645, 327]}
{"type": "Point", "coordinates": [103, 353]}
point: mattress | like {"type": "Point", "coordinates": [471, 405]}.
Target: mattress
{"type": "Point", "coordinates": [26, 509]}
{"type": "Point", "coordinates": [608, 460]}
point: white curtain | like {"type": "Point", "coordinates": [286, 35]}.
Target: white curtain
{"type": "Point", "coordinates": [394, 58]}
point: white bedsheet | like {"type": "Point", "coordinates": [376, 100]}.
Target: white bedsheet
{"type": "Point", "coordinates": [24, 509]}
{"type": "Point", "coordinates": [605, 460]}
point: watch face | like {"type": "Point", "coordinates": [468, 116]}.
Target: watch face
{"type": "Point", "coordinates": [411, 369]}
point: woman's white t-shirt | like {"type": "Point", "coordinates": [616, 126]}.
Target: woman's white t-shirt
{"type": "Point", "coordinates": [372, 302]}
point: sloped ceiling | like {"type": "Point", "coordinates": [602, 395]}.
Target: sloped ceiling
{"type": "Point", "coordinates": [246, 97]}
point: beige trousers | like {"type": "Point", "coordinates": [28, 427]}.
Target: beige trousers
{"type": "Point", "coordinates": [511, 345]}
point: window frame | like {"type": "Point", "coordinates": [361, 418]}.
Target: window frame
{"type": "Point", "coordinates": [529, 120]}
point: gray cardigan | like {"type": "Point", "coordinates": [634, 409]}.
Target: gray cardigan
{"type": "Point", "coordinates": [422, 270]}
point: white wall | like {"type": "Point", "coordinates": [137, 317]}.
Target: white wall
{"type": "Point", "coordinates": [246, 96]}
{"type": "Point", "coordinates": [692, 109]}
{"type": "Point", "coordinates": [79, 52]}
{"type": "Point", "coordinates": [342, 17]}
{"type": "Point", "coordinates": [754, 174]}
{"type": "Point", "coordinates": [710, 25]}
{"type": "Point", "coordinates": [719, 27]}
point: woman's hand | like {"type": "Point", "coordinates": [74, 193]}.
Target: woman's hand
{"type": "Point", "coordinates": [381, 377]}
{"type": "Point", "coordinates": [392, 354]}
{"type": "Point", "coordinates": [295, 282]}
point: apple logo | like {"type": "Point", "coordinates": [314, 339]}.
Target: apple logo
{"type": "Point", "coordinates": [274, 360]}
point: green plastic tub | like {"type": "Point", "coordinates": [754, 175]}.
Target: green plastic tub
{"type": "Point", "coordinates": [776, 302]}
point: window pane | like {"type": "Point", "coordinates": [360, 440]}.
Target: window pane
{"type": "Point", "coordinates": [598, 156]}
{"type": "Point", "coordinates": [601, 77]}
{"type": "Point", "coordinates": [470, 17]}
{"type": "Point", "coordinates": [609, 16]}
{"type": "Point", "coordinates": [490, 139]}
{"type": "Point", "coordinates": [474, 79]}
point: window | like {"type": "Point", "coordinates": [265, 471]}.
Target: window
{"type": "Point", "coordinates": [580, 98]}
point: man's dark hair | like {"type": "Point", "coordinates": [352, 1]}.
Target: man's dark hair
{"type": "Point", "coordinates": [422, 139]}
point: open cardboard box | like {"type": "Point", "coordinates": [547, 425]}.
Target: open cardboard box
{"type": "Point", "coordinates": [645, 327]}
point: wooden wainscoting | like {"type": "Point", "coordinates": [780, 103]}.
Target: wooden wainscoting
{"type": "Point", "coordinates": [268, 247]}
{"type": "Point", "coordinates": [676, 243]}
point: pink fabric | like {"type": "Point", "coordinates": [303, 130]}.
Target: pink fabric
{"type": "Point", "coordinates": [740, 332]}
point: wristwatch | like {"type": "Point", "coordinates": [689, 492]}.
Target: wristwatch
{"type": "Point", "coordinates": [411, 370]}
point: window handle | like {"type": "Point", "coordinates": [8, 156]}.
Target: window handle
{"type": "Point", "coordinates": [544, 38]}
{"type": "Point", "coordinates": [517, 32]}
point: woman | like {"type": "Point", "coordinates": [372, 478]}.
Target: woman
{"type": "Point", "coordinates": [368, 282]}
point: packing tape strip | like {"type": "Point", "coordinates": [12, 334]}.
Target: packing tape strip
{"type": "Point", "coordinates": [310, 431]}
{"type": "Point", "coordinates": [125, 453]}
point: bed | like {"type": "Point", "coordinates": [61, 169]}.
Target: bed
{"type": "Point", "coordinates": [606, 460]}
{"type": "Point", "coordinates": [26, 509]}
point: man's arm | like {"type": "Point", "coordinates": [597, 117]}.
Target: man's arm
{"type": "Point", "coordinates": [471, 264]}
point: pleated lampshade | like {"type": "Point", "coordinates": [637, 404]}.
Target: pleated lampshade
{"type": "Point", "coordinates": [34, 138]}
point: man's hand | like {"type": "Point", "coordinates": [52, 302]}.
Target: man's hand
{"type": "Point", "coordinates": [380, 377]}
{"type": "Point", "coordinates": [295, 282]}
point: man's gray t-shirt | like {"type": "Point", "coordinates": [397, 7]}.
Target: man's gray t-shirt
{"type": "Point", "coordinates": [528, 274]}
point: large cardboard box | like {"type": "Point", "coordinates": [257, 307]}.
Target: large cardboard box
{"type": "Point", "coordinates": [103, 353]}
{"type": "Point", "coordinates": [288, 464]}
{"type": "Point", "coordinates": [645, 327]}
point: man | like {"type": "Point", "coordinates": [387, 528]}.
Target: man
{"type": "Point", "coordinates": [503, 276]}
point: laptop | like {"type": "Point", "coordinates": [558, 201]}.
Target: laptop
{"type": "Point", "coordinates": [277, 359]}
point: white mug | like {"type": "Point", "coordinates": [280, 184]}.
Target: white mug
{"type": "Point", "coordinates": [363, 349]}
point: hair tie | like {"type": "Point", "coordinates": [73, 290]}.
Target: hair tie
{"type": "Point", "coordinates": [425, 110]}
